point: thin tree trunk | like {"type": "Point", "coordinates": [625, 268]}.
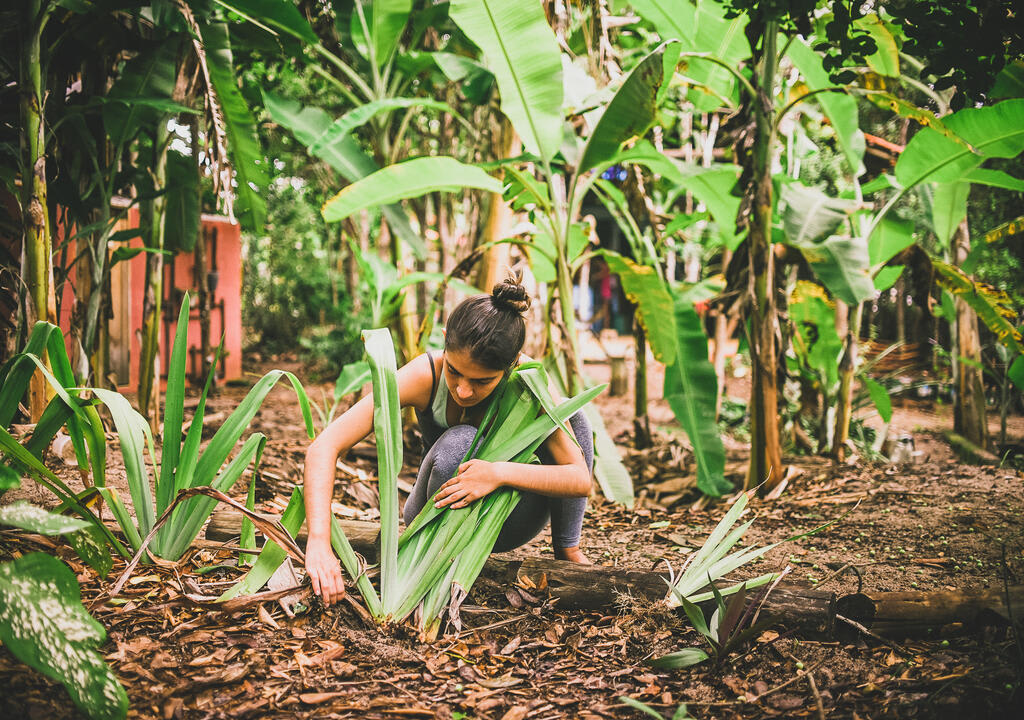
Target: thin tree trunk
{"type": "Point", "coordinates": [38, 274]}
{"type": "Point", "coordinates": [847, 369]}
{"type": "Point", "coordinates": [151, 217]}
{"type": "Point", "coordinates": [499, 215]}
{"type": "Point", "coordinates": [765, 446]}
{"type": "Point", "coordinates": [969, 417]}
{"type": "Point", "coordinates": [202, 269]}
{"type": "Point", "coordinates": [641, 420]}
{"type": "Point", "coordinates": [721, 340]}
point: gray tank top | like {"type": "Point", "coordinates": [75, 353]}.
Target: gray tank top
{"type": "Point", "coordinates": [434, 420]}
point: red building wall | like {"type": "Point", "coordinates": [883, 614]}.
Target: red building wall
{"type": "Point", "coordinates": [224, 260]}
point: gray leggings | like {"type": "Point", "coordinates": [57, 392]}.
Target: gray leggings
{"type": "Point", "coordinates": [533, 511]}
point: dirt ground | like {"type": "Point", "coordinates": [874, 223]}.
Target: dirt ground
{"type": "Point", "coordinates": [934, 525]}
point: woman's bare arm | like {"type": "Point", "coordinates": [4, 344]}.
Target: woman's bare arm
{"type": "Point", "coordinates": [414, 386]}
{"type": "Point", "coordinates": [567, 477]}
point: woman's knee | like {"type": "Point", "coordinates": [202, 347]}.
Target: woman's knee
{"type": "Point", "coordinates": [584, 433]}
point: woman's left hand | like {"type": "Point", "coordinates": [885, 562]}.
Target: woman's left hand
{"type": "Point", "coordinates": [474, 480]}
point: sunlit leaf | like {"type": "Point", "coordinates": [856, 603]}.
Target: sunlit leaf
{"type": "Point", "coordinates": [43, 624]}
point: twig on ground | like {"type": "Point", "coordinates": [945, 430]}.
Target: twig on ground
{"type": "Point", "coordinates": [856, 625]}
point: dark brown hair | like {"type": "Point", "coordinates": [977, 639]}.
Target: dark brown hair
{"type": "Point", "coordinates": [491, 326]}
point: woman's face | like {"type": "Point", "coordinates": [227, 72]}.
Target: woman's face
{"type": "Point", "coordinates": [468, 382]}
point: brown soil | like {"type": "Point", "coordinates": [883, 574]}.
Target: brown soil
{"type": "Point", "coordinates": [935, 525]}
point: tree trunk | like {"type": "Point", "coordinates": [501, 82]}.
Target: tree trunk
{"type": "Point", "coordinates": [38, 271]}
{"type": "Point", "coordinates": [500, 217]}
{"type": "Point", "coordinates": [151, 218]}
{"type": "Point", "coordinates": [969, 402]}
{"type": "Point", "coordinates": [641, 421]}
{"type": "Point", "coordinates": [847, 369]}
{"type": "Point", "coordinates": [765, 446]}
{"type": "Point", "coordinates": [721, 340]}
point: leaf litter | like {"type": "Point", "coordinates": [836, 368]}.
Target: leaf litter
{"type": "Point", "coordinates": [935, 526]}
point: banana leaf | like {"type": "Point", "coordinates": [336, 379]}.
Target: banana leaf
{"type": "Point", "coordinates": [408, 179]}
{"type": "Point", "coordinates": [520, 49]}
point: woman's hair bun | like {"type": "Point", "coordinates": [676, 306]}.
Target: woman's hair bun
{"type": "Point", "coordinates": [509, 294]}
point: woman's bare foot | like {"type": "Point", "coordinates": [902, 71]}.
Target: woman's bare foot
{"type": "Point", "coordinates": [572, 554]}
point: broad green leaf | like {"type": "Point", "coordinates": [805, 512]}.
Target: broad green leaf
{"type": "Point", "coordinates": [995, 178]}
{"type": "Point", "coordinates": [633, 109]}
{"type": "Point", "coordinates": [240, 126]}
{"type": "Point", "coordinates": [880, 397]}
{"type": "Point", "coordinates": [723, 38]}
{"type": "Point", "coordinates": [408, 179]}
{"type": "Point", "coordinates": [344, 155]}
{"type": "Point", "coordinates": [43, 624]}
{"type": "Point", "coordinates": [456, 67]}
{"type": "Point", "coordinates": [889, 238]}
{"type": "Point", "coordinates": [994, 307]}
{"type": "Point", "coordinates": [387, 21]}
{"type": "Point", "coordinates": [691, 389]}
{"type": "Point", "coordinates": [135, 436]}
{"type": "Point", "coordinates": [181, 214]}
{"type": "Point", "coordinates": [815, 339]}
{"type": "Point", "coordinates": [713, 187]}
{"type": "Point", "coordinates": [655, 308]}
{"type": "Point", "coordinates": [1009, 82]}
{"type": "Point", "coordinates": [520, 49]}
{"type": "Point", "coordinates": [680, 659]}
{"type": "Point", "coordinates": [274, 15]}
{"type": "Point", "coordinates": [948, 206]}
{"type": "Point", "coordinates": [840, 108]}
{"type": "Point", "coordinates": [1016, 372]}
{"type": "Point", "coordinates": [993, 131]}
{"type": "Point", "coordinates": [809, 215]}
{"type": "Point", "coordinates": [387, 430]}
{"type": "Point", "coordinates": [886, 59]}
{"type": "Point", "coordinates": [886, 277]}
{"type": "Point", "coordinates": [672, 20]}
{"type": "Point", "coordinates": [842, 265]}
{"type": "Point", "coordinates": [26, 516]}
{"type": "Point", "coordinates": [150, 75]}
{"type": "Point", "coordinates": [353, 119]}
{"type": "Point", "coordinates": [18, 371]}
{"type": "Point", "coordinates": [609, 471]}
{"type": "Point", "coordinates": [352, 377]}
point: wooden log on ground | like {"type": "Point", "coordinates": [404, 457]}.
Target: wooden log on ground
{"type": "Point", "coordinates": [226, 523]}
{"type": "Point", "coordinates": [934, 613]}
{"type": "Point", "coordinates": [582, 587]}
{"type": "Point", "coordinates": [968, 451]}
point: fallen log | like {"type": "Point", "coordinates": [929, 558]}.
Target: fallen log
{"type": "Point", "coordinates": [582, 587]}
{"type": "Point", "coordinates": [968, 452]}
{"type": "Point", "coordinates": [934, 613]}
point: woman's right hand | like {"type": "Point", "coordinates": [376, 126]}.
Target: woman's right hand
{"type": "Point", "coordinates": [324, 571]}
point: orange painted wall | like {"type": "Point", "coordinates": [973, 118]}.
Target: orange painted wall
{"type": "Point", "coordinates": [128, 282]}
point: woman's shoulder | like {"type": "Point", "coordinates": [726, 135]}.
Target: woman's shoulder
{"type": "Point", "coordinates": [416, 380]}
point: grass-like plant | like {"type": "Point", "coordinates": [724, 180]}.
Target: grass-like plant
{"type": "Point", "coordinates": [432, 565]}
{"type": "Point", "coordinates": [713, 561]}
{"type": "Point", "coordinates": [182, 464]}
